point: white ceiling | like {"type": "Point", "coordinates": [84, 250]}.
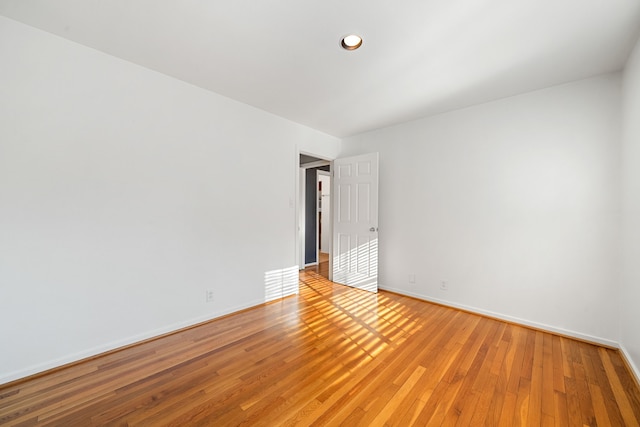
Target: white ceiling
{"type": "Point", "coordinates": [419, 57]}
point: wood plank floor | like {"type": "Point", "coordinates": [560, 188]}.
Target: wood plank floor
{"type": "Point", "coordinates": [322, 268]}
{"type": "Point", "coordinates": [338, 356]}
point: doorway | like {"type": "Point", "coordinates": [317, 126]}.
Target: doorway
{"type": "Point", "coordinates": [315, 233]}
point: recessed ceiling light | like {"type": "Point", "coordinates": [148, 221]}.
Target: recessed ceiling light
{"type": "Point", "coordinates": [351, 42]}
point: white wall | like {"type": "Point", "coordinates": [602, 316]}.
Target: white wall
{"type": "Point", "coordinates": [124, 195]}
{"type": "Point", "coordinates": [630, 276]}
{"type": "Point", "coordinates": [514, 203]}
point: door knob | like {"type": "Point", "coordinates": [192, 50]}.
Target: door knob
{"type": "Point", "coordinates": [372, 229]}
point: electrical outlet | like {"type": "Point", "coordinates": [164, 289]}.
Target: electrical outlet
{"type": "Point", "coordinates": [412, 278]}
{"type": "Point", "coordinates": [444, 285]}
{"type": "Point", "coordinates": [209, 295]}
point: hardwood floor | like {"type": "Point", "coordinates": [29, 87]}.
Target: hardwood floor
{"type": "Point", "coordinates": [322, 268]}
{"type": "Point", "coordinates": [337, 356]}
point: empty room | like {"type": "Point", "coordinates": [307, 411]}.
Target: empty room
{"type": "Point", "coordinates": [320, 213]}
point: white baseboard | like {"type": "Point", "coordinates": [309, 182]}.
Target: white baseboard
{"type": "Point", "coordinates": [12, 376]}
{"type": "Point", "coordinates": [536, 325]}
{"type": "Point", "coordinates": [632, 366]}
{"type": "Point", "coordinates": [75, 357]}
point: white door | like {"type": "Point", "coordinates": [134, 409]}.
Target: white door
{"type": "Point", "coordinates": [355, 221]}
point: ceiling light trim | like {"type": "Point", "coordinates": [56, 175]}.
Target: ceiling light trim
{"type": "Point", "coordinates": [351, 42]}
